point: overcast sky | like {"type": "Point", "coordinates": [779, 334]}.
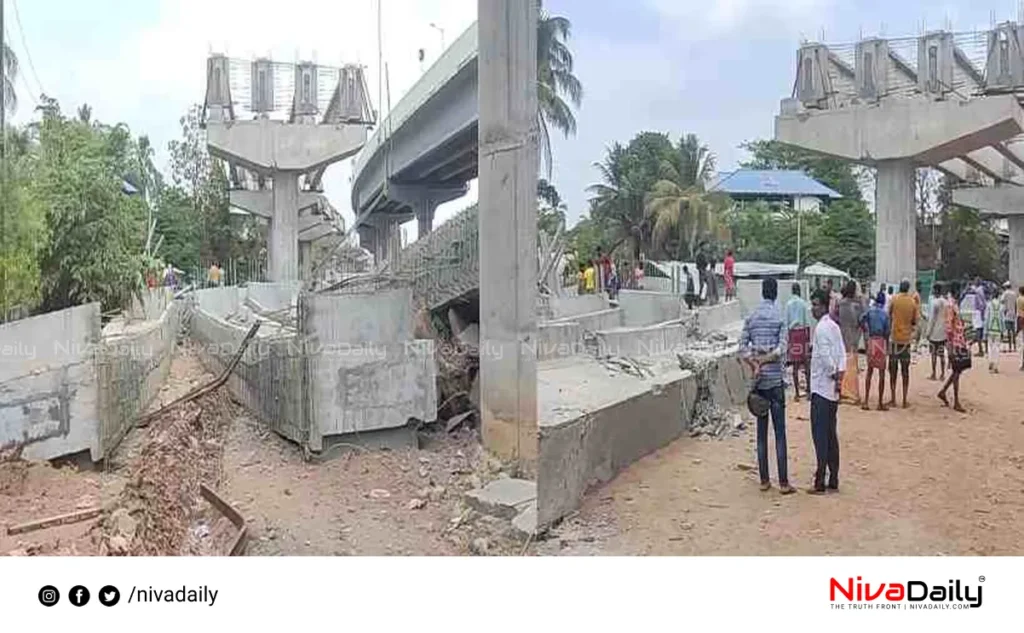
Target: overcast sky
{"type": "Point", "coordinates": [716, 68]}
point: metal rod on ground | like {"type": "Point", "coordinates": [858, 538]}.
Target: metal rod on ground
{"type": "Point", "coordinates": [204, 389]}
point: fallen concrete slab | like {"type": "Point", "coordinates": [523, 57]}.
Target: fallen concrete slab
{"type": "Point", "coordinates": [504, 498]}
{"type": "Point", "coordinates": [594, 422]}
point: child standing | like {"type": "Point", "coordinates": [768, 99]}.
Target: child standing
{"type": "Point", "coordinates": [994, 331]}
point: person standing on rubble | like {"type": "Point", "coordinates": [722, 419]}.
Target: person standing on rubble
{"type": "Point", "coordinates": [763, 347]}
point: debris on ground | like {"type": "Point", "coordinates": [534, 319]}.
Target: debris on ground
{"type": "Point", "coordinates": [708, 418]}
{"type": "Point", "coordinates": [624, 365]}
{"type": "Point", "coordinates": [155, 513]}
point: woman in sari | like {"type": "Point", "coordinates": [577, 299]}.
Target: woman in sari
{"type": "Point", "coordinates": [850, 310]}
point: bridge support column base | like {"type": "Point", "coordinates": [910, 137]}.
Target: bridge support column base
{"type": "Point", "coordinates": [1016, 271]}
{"type": "Point", "coordinates": [283, 247]}
{"type": "Point", "coordinates": [896, 232]}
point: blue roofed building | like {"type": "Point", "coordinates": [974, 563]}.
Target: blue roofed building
{"type": "Point", "coordinates": [791, 187]}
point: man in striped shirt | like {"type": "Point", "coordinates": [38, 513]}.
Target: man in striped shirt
{"type": "Point", "coordinates": [763, 346]}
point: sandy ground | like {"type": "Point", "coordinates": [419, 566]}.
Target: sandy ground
{"type": "Point", "coordinates": [921, 481]}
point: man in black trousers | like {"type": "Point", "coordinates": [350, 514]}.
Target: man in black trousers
{"type": "Point", "coordinates": [828, 361]}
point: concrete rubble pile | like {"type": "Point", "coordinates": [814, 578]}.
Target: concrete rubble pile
{"type": "Point", "coordinates": [708, 418]}
{"type": "Point", "coordinates": [155, 512]}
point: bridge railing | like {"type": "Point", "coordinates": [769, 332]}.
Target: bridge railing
{"type": "Point", "coordinates": [445, 264]}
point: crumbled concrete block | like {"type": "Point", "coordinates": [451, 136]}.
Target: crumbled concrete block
{"type": "Point", "coordinates": [503, 498]}
{"type": "Point", "coordinates": [524, 525]}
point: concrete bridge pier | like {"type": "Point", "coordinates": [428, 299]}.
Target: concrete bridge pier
{"type": "Point", "coordinates": [895, 240]}
{"type": "Point", "coordinates": [282, 151]}
{"type": "Point", "coordinates": [895, 136]}
{"type": "Point", "coordinates": [283, 241]}
{"type": "Point", "coordinates": [1001, 202]}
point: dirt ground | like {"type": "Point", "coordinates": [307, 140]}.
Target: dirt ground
{"type": "Point", "coordinates": [920, 481]}
{"type": "Point", "coordinates": [354, 503]}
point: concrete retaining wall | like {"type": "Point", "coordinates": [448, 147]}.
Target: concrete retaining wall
{"type": "Point", "coordinates": [273, 297]}
{"type": "Point", "coordinates": [220, 302]}
{"type": "Point", "coordinates": [748, 293]}
{"type": "Point", "coordinates": [559, 340]}
{"type": "Point", "coordinates": [642, 307]}
{"type": "Point", "coordinates": [67, 387]}
{"type": "Point", "coordinates": [268, 378]}
{"type": "Point", "coordinates": [154, 302]}
{"type": "Point", "coordinates": [595, 321]}
{"type": "Point", "coordinates": [564, 307]}
{"type": "Point", "coordinates": [594, 425]}
{"type": "Point", "coordinates": [365, 370]}
{"type": "Point", "coordinates": [131, 366]}
{"type": "Point", "coordinates": [653, 340]}
{"type": "Point", "coordinates": [719, 316]}
{"type": "Point", "coordinates": [48, 389]}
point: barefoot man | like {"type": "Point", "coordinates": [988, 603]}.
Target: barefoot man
{"type": "Point", "coordinates": [903, 316]}
{"type": "Point", "coordinates": [828, 360]}
{"type": "Point", "coordinates": [876, 327]}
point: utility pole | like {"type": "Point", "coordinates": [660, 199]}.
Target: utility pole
{"type": "Point", "coordinates": [3, 169]}
{"type": "Point", "coordinates": [508, 161]}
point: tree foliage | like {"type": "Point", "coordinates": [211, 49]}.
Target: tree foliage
{"type": "Point", "coordinates": [558, 89]}
{"type": "Point", "coordinates": [95, 232]}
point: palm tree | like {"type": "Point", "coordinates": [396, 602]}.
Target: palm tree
{"type": "Point", "coordinates": [679, 200]}
{"type": "Point", "coordinates": [10, 73]}
{"type": "Point", "coordinates": [618, 202]}
{"type": "Point", "coordinates": [555, 81]}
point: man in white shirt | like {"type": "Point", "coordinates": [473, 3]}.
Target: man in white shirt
{"type": "Point", "coordinates": [828, 361]}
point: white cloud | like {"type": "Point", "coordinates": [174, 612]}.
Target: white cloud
{"type": "Point", "coordinates": [709, 20]}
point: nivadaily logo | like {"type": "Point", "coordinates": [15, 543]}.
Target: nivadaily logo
{"type": "Point", "coordinates": [913, 594]}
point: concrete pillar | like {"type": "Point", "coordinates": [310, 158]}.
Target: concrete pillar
{"type": "Point", "coordinates": [283, 247]}
{"type": "Point", "coordinates": [896, 233]}
{"type": "Point", "coordinates": [424, 217]}
{"type": "Point", "coordinates": [305, 260]}
{"type": "Point", "coordinates": [368, 240]}
{"type": "Point", "coordinates": [1016, 272]}
{"type": "Point", "coordinates": [508, 228]}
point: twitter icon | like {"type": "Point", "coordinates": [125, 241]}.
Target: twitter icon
{"type": "Point", "coordinates": [109, 596]}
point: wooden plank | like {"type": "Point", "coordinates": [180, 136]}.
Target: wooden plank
{"type": "Point", "coordinates": [61, 519]}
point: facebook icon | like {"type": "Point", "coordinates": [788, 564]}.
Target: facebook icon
{"type": "Point", "coordinates": [79, 596]}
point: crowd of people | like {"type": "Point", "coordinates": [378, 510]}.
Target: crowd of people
{"type": "Point", "coordinates": [602, 274]}
{"type": "Point", "coordinates": [821, 341]}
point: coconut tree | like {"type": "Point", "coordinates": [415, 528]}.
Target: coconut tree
{"type": "Point", "coordinates": [558, 89]}
{"type": "Point", "coordinates": [679, 202]}
{"type": "Point", "coordinates": [617, 201]}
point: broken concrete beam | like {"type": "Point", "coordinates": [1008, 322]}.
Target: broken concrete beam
{"type": "Point", "coordinates": [503, 498]}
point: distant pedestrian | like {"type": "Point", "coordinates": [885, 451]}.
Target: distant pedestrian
{"type": "Point", "coordinates": [798, 322]}
{"type": "Point", "coordinates": [729, 266]}
{"type": "Point", "coordinates": [937, 306]}
{"type": "Point", "coordinates": [973, 319]}
{"type": "Point", "coordinates": [1009, 310]}
{"type": "Point", "coordinates": [959, 352]}
{"type": "Point", "coordinates": [828, 360]}
{"type": "Point", "coordinates": [994, 332]}
{"type": "Point", "coordinates": [849, 310]}
{"type": "Point", "coordinates": [581, 280]}
{"type": "Point", "coordinates": [638, 276]}
{"type": "Point", "coordinates": [213, 275]}
{"type": "Point", "coordinates": [1020, 321]}
{"type": "Point", "coordinates": [763, 346]}
{"type": "Point", "coordinates": [690, 296]}
{"type": "Point", "coordinates": [903, 316]}
{"type": "Point", "coordinates": [877, 330]}
{"type": "Point", "coordinates": [590, 278]}
{"type": "Point", "coordinates": [170, 279]}
{"type": "Point", "coordinates": [916, 296]}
